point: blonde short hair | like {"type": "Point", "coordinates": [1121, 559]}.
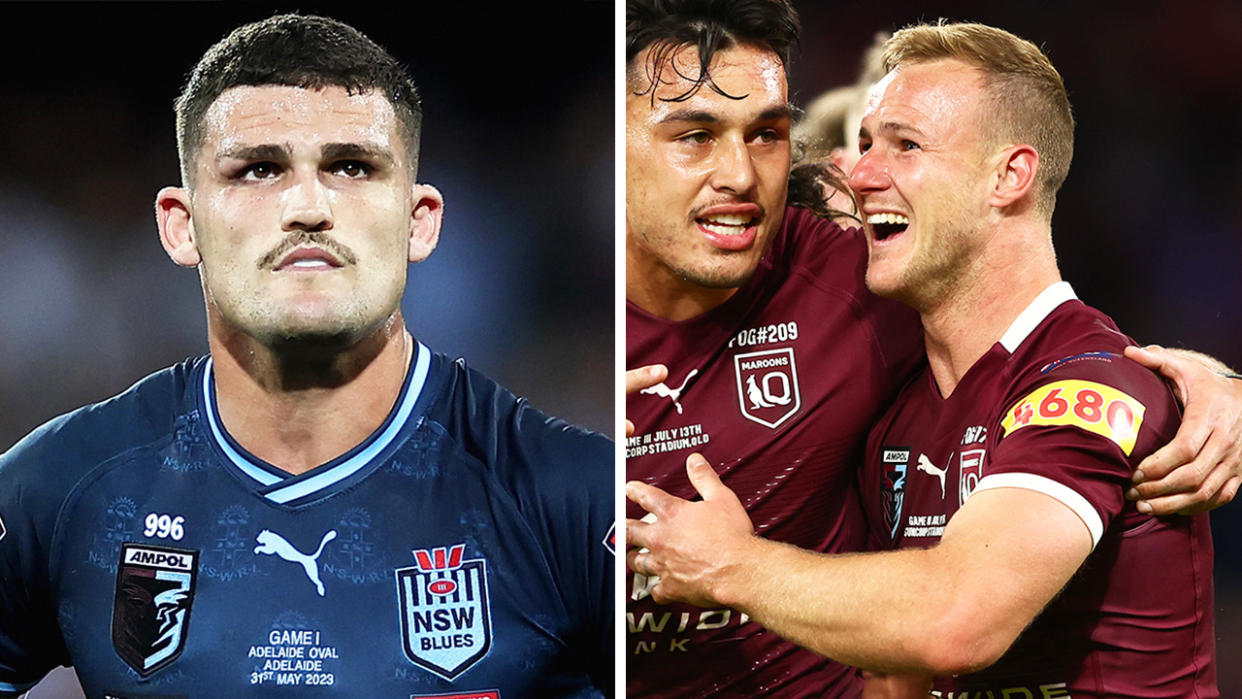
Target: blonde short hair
{"type": "Point", "coordinates": [1026, 98]}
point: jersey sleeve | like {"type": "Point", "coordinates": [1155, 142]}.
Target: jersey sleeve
{"type": "Point", "coordinates": [576, 513]}
{"type": "Point", "coordinates": [561, 477]}
{"type": "Point", "coordinates": [1077, 435]}
{"type": "Point", "coordinates": [30, 640]}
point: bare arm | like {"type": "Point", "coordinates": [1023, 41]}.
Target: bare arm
{"type": "Point", "coordinates": [1201, 468]}
{"type": "Point", "coordinates": [950, 609]}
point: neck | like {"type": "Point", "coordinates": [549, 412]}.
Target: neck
{"type": "Point", "coordinates": [963, 324]}
{"type": "Point", "coordinates": [299, 409]}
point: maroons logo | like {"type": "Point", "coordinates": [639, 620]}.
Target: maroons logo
{"type": "Point", "coordinates": [446, 624]}
{"type": "Point", "coordinates": [767, 386]}
{"type": "Point", "coordinates": [971, 472]}
{"type": "Point", "coordinates": [151, 610]}
{"type": "Point", "coordinates": [894, 461]}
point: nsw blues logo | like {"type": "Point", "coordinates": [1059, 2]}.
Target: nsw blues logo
{"type": "Point", "coordinates": [446, 624]}
{"type": "Point", "coordinates": [151, 611]}
{"type": "Point", "coordinates": [895, 461]}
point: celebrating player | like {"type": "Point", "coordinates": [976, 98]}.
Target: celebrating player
{"type": "Point", "coordinates": [778, 358]}
{"type": "Point", "coordinates": [1002, 466]}
{"type": "Point", "coordinates": [322, 502]}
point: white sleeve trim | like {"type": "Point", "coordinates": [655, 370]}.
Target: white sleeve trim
{"type": "Point", "coordinates": [1062, 493]}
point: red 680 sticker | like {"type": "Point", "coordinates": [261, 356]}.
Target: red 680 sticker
{"type": "Point", "coordinates": [1092, 406]}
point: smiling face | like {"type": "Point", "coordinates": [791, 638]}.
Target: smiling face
{"type": "Point", "coordinates": [706, 177]}
{"type": "Point", "coordinates": [922, 180]}
{"type": "Point", "coordinates": [301, 214]}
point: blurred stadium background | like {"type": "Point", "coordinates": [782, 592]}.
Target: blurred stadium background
{"type": "Point", "coordinates": [1148, 227]}
{"type": "Point", "coordinates": [518, 137]}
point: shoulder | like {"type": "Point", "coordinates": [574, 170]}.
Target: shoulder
{"type": "Point", "coordinates": [42, 471]}
{"type": "Point", "coordinates": [1075, 374]}
{"type": "Point", "coordinates": [807, 239]}
{"type": "Point", "coordinates": [515, 441]}
{"type": "Point", "coordinates": [833, 261]}
{"type": "Point", "coordinates": [69, 445]}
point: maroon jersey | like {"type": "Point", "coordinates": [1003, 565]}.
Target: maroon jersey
{"type": "Point", "coordinates": [1054, 407]}
{"type": "Point", "coordinates": [777, 388]}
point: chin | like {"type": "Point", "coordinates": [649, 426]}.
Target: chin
{"type": "Point", "coordinates": [318, 334]}
{"type": "Point", "coordinates": [721, 277]}
{"type": "Point", "coordinates": [887, 287]}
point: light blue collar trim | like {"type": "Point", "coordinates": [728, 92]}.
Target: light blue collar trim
{"type": "Point", "coordinates": [7, 687]}
{"type": "Point", "coordinates": [301, 487]}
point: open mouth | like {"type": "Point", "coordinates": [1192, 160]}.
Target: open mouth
{"type": "Point", "coordinates": [887, 225]}
{"type": "Point", "coordinates": [726, 224]}
{"type": "Point", "coordinates": [308, 259]}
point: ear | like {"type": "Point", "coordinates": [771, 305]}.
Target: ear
{"type": "Point", "coordinates": [172, 216]}
{"type": "Point", "coordinates": [837, 157]}
{"type": "Point", "coordinates": [1015, 176]}
{"type": "Point", "coordinates": [425, 221]}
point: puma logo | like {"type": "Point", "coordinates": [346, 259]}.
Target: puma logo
{"type": "Point", "coordinates": [272, 543]}
{"type": "Point", "coordinates": [928, 467]}
{"type": "Point", "coordinates": [672, 394]}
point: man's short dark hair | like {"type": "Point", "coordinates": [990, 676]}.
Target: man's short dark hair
{"type": "Point", "coordinates": [708, 25]}
{"type": "Point", "coordinates": [299, 51]}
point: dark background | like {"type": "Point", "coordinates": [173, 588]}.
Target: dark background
{"type": "Point", "coordinates": [518, 136]}
{"type": "Point", "coordinates": [1148, 227]}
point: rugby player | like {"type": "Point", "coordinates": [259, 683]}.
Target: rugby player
{"type": "Point", "coordinates": [322, 504]}
{"type": "Point", "coordinates": [1002, 466]}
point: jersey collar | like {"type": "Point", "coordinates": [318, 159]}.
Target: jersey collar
{"type": "Point", "coordinates": [281, 487]}
{"type": "Point", "coordinates": [1034, 314]}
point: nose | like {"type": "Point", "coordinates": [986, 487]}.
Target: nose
{"type": "Point", "coordinates": [735, 171]}
{"type": "Point", "coordinates": [869, 174]}
{"type": "Point", "coordinates": [306, 205]}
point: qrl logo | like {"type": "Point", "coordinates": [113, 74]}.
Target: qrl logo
{"type": "Point", "coordinates": [970, 473]}
{"type": "Point", "coordinates": [767, 386]}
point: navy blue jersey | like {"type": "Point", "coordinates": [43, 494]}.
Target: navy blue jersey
{"type": "Point", "coordinates": [463, 550]}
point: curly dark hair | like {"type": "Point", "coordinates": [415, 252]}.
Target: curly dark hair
{"type": "Point", "coordinates": [304, 51]}
{"type": "Point", "coordinates": [709, 25]}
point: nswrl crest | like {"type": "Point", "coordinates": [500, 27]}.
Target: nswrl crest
{"type": "Point", "coordinates": [151, 610]}
{"type": "Point", "coordinates": [446, 624]}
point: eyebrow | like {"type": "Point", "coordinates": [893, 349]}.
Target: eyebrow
{"type": "Point", "coordinates": [331, 151]}
{"type": "Point", "coordinates": [265, 151]}
{"type": "Point", "coordinates": [359, 151]}
{"type": "Point", "coordinates": [784, 111]}
{"type": "Point", "coordinates": [892, 126]}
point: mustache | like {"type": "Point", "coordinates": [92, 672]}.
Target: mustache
{"type": "Point", "coordinates": [298, 238]}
